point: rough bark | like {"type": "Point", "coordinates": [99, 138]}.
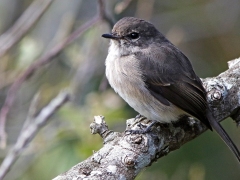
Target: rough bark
{"type": "Point", "coordinates": [124, 155]}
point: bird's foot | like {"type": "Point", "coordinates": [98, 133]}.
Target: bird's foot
{"type": "Point", "coordinates": [143, 129]}
{"type": "Point", "coordinates": [139, 118]}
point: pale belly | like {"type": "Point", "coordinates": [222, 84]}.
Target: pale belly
{"type": "Point", "coordinates": [147, 105]}
{"type": "Point", "coordinates": [130, 86]}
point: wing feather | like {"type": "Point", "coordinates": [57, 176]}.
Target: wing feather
{"type": "Point", "coordinates": [169, 76]}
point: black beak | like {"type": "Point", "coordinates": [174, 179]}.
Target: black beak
{"type": "Point", "coordinates": [110, 36]}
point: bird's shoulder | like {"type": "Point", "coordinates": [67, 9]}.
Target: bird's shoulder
{"type": "Point", "coordinates": [165, 62]}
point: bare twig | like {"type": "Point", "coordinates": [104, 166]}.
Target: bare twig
{"type": "Point", "coordinates": [23, 24]}
{"type": "Point", "coordinates": [30, 131]}
{"type": "Point", "coordinates": [103, 14]}
{"type": "Point", "coordinates": [46, 58]}
{"type": "Point", "coordinates": [31, 111]}
{"type": "Point", "coordinates": [121, 6]}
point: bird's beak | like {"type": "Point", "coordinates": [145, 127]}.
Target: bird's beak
{"type": "Point", "coordinates": [110, 36]}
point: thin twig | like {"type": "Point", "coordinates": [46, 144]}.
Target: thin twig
{"type": "Point", "coordinates": [23, 25]}
{"type": "Point", "coordinates": [31, 111]}
{"type": "Point", "coordinates": [121, 6]}
{"type": "Point", "coordinates": [47, 58]}
{"type": "Point", "coordinates": [31, 130]}
{"type": "Point", "coordinates": [103, 14]}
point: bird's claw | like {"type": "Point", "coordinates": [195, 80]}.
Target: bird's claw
{"type": "Point", "coordinates": [141, 131]}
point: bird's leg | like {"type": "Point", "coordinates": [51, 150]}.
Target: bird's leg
{"type": "Point", "coordinates": [142, 128]}
{"type": "Point", "coordinates": [139, 118]}
{"type": "Point", "coordinates": [142, 131]}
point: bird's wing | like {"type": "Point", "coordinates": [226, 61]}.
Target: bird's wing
{"type": "Point", "coordinates": [169, 76]}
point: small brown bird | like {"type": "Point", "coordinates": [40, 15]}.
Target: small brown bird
{"type": "Point", "coordinates": [155, 77]}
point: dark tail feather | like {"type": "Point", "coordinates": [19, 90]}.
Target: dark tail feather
{"type": "Point", "coordinates": [222, 133]}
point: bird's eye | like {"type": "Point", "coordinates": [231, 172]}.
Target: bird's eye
{"type": "Point", "coordinates": [133, 35]}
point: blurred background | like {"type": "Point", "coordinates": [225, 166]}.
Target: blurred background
{"type": "Point", "coordinates": [208, 32]}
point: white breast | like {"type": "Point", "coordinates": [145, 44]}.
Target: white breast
{"type": "Point", "coordinates": [124, 76]}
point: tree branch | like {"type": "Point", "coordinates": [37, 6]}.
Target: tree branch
{"type": "Point", "coordinates": [43, 60]}
{"type": "Point", "coordinates": [30, 129]}
{"type": "Point", "coordinates": [23, 25]}
{"type": "Point", "coordinates": [124, 155]}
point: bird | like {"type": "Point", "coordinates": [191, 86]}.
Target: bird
{"type": "Point", "coordinates": [155, 78]}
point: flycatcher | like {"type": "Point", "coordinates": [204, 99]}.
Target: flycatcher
{"type": "Point", "coordinates": [155, 78]}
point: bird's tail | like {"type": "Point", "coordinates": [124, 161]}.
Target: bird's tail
{"type": "Point", "coordinates": [223, 134]}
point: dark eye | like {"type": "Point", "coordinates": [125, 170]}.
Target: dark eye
{"type": "Point", "coordinates": [133, 35]}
